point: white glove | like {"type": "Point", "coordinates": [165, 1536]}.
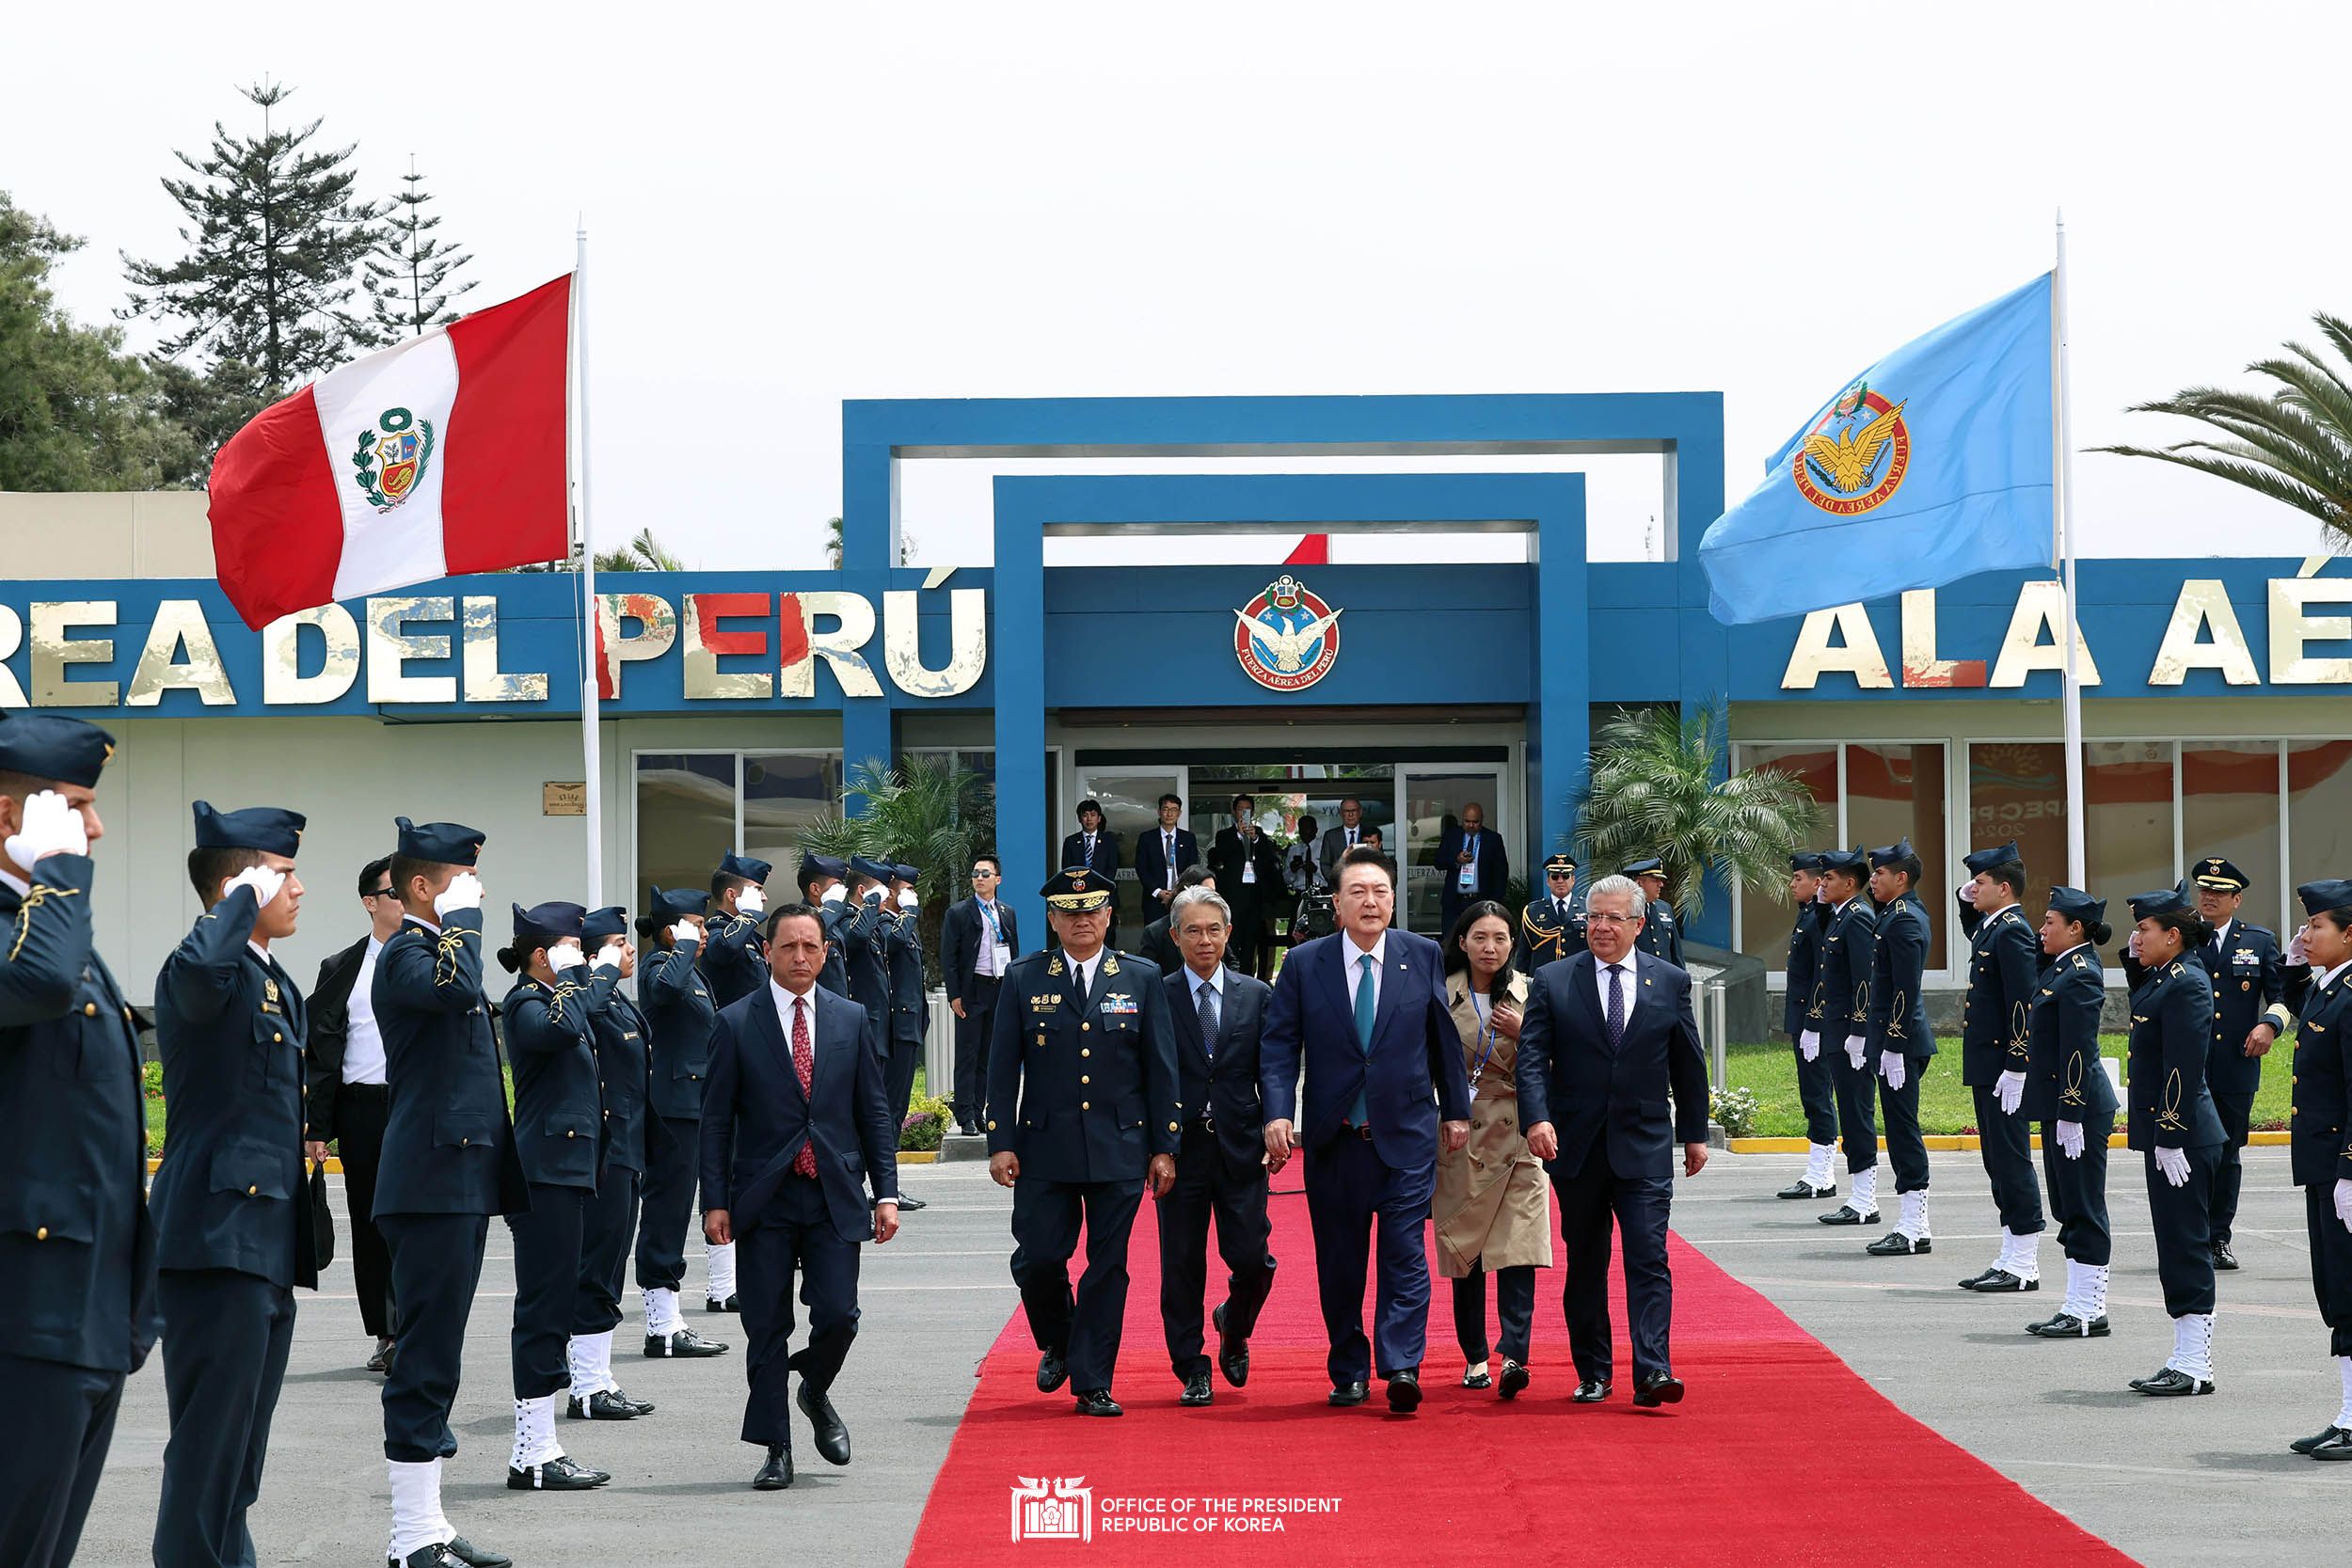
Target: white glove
{"type": "Point", "coordinates": [873, 897]}
{"type": "Point", "coordinates": [565, 957]}
{"type": "Point", "coordinates": [685, 934]}
{"type": "Point", "coordinates": [1853, 1050]}
{"type": "Point", "coordinates": [1892, 1068]}
{"type": "Point", "coordinates": [1967, 890]}
{"type": "Point", "coordinates": [751, 901]}
{"type": "Point", "coordinates": [2131, 948]}
{"type": "Point", "coordinates": [2173, 1163]}
{"type": "Point", "coordinates": [2344, 1202]}
{"type": "Point", "coordinates": [611, 952]}
{"type": "Point", "coordinates": [1809, 1044]}
{"type": "Point", "coordinates": [2010, 1087]}
{"type": "Point", "coordinates": [463, 892]}
{"type": "Point", "coordinates": [260, 878]}
{"type": "Point", "coordinates": [835, 894]}
{"type": "Point", "coordinates": [2070, 1139]}
{"type": "Point", "coordinates": [1821, 894]}
{"type": "Point", "coordinates": [51, 827]}
{"type": "Point", "coordinates": [908, 900]}
{"type": "Point", "coordinates": [2296, 953]}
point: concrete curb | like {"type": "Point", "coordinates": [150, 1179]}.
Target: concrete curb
{"type": "Point", "coordinates": [1948, 1142]}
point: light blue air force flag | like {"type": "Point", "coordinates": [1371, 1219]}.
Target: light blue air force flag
{"type": "Point", "coordinates": [1933, 464]}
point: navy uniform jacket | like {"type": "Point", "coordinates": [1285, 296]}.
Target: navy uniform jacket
{"type": "Point", "coordinates": [2064, 1078]}
{"type": "Point", "coordinates": [2004, 974]}
{"type": "Point", "coordinates": [834, 977]}
{"type": "Point", "coordinates": [677, 1002]}
{"type": "Point", "coordinates": [865, 960]}
{"type": "Point", "coordinates": [1841, 986]}
{"type": "Point", "coordinates": [623, 1040]}
{"type": "Point", "coordinates": [1805, 962]}
{"type": "Point", "coordinates": [1545, 937]}
{"type": "Point", "coordinates": [2320, 1128]}
{"type": "Point", "coordinates": [2171, 1026]}
{"type": "Point", "coordinates": [1222, 1084]}
{"type": "Point", "coordinates": [230, 1025]}
{"type": "Point", "coordinates": [448, 1147]}
{"type": "Point", "coordinates": [902, 942]}
{"type": "Point", "coordinates": [1411, 1079]}
{"type": "Point", "coordinates": [1612, 1097]}
{"type": "Point", "coordinates": [2248, 974]}
{"type": "Point", "coordinates": [1083, 1096]}
{"type": "Point", "coordinates": [1660, 937]}
{"type": "Point", "coordinates": [559, 1115]}
{"type": "Point", "coordinates": [1899, 962]}
{"type": "Point", "coordinates": [961, 932]}
{"type": "Point", "coordinates": [77, 1248]}
{"type": "Point", "coordinates": [731, 957]}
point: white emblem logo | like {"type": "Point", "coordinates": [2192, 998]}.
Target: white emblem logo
{"type": "Point", "coordinates": [1287, 639]}
{"type": "Point", "coordinates": [1053, 1508]}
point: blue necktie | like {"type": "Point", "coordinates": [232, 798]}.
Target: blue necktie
{"type": "Point", "coordinates": [1208, 1021]}
{"type": "Point", "coordinates": [1616, 1005]}
{"type": "Point", "coordinates": [1367, 1000]}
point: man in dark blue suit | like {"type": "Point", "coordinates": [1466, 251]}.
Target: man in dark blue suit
{"type": "Point", "coordinates": [1096, 849]}
{"type": "Point", "coordinates": [1161, 855]}
{"type": "Point", "coordinates": [1607, 1034]}
{"type": "Point", "coordinates": [1366, 1009]}
{"type": "Point", "coordinates": [979, 939]}
{"type": "Point", "coordinates": [1474, 863]}
{"type": "Point", "coordinates": [795, 1123]}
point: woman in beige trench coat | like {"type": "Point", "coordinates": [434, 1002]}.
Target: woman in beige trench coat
{"type": "Point", "coordinates": [1493, 1209]}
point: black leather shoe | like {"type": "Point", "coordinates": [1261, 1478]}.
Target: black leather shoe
{"type": "Point", "coordinates": [1653, 1389]}
{"type": "Point", "coordinates": [559, 1474]}
{"type": "Point", "coordinates": [833, 1433]}
{"type": "Point", "coordinates": [2170, 1382]}
{"type": "Point", "coordinates": [1233, 1355]}
{"type": "Point", "coordinates": [1845, 1213]}
{"type": "Point", "coordinates": [1591, 1392]}
{"type": "Point", "coordinates": [462, 1550]}
{"type": "Point", "coordinates": [1515, 1380]}
{"type": "Point", "coordinates": [1405, 1392]}
{"type": "Point", "coordinates": [1197, 1391]}
{"type": "Point", "coordinates": [1052, 1372]}
{"type": "Point", "coordinates": [1098, 1401]}
{"type": "Point", "coordinates": [434, 1555]}
{"type": "Point", "coordinates": [713, 1304]}
{"type": "Point", "coordinates": [2334, 1443]}
{"type": "Point", "coordinates": [685, 1344]}
{"type": "Point", "coordinates": [776, 1474]}
{"type": "Point", "coordinates": [2223, 1259]}
{"type": "Point", "coordinates": [1349, 1393]}
{"type": "Point", "coordinates": [382, 1360]}
{"type": "Point", "coordinates": [1802, 1188]}
{"type": "Point", "coordinates": [1895, 1244]}
{"type": "Point", "coordinates": [1477, 1379]}
{"type": "Point", "coordinates": [1997, 1282]}
{"type": "Point", "coordinates": [2065, 1325]}
{"type": "Point", "coordinates": [603, 1405]}
{"type": "Point", "coordinates": [643, 1407]}
{"type": "Point", "coordinates": [908, 1205]}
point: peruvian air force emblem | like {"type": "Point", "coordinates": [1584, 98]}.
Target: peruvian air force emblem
{"type": "Point", "coordinates": [392, 457]}
{"type": "Point", "coordinates": [1287, 639]}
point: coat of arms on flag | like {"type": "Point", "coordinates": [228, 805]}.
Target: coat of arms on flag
{"type": "Point", "coordinates": [405, 447]}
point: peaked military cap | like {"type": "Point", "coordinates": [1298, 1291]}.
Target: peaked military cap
{"type": "Point", "coordinates": [1850, 861]}
{"type": "Point", "coordinates": [1650, 867]}
{"type": "Point", "coordinates": [1560, 859]}
{"type": "Point", "coordinates": [668, 904]}
{"type": "Point", "coordinates": [53, 749]}
{"type": "Point", "coordinates": [2163, 901]}
{"type": "Point", "coordinates": [863, 866]}
{"type": "Point", "coordinates": [598, 926]}
{"type": "Point", "coordinates": [545, 923]}
{"type": "Point", "coordinates": [1980, 860]}
{"type": "Point", "coordinates": [1887, 854]}
{"type": "Point", "coordinates": [745, 866]}
{"type": "Point", "coordinates": [447, 843]}
{"type": "Point", "coordinates": [2073, 903]}
{"type": "Point", "coordinates": [2319, 898]}
{"type": "Point", "coordinates": [1077, 889]}
{"type": "Point", "coordinates": [265, 828]}
{"type": "Point", "coordinates": [821, 865]}
{"type": "Point", "coordinates": [1809, 860]}
{"type": "Point", "coordinates": [2216, 873]}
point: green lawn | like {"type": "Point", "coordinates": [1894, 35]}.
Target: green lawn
{"type": "Point", "coordinates": [1770, 1072]}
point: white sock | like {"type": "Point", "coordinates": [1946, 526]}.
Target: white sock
{"type": "Point", "coordinates": [1865, 1199]}
{"type": "Point", "coordinates": [1915, 1221]}
{"type": "Point", "coordinates": [2344, 1412]}
{"type": "Point", "coordinates": [1817, 1164]}
{"type": "Point", "coordinates": [417, 1521]}
{"type": "Point", "coordinates": [579, 1355]}
{"type": "Point", "coordinates": [534, 1432]}
{"type": "Point", "coordinates": [600, 1350]}
{"type": "Point", "coordinates": [662, 1319]}
{"type": "Point", "coordinates": [2192, 1345]}
{"type": "Point", "coordinates": [2022, 1254]}
{"type": "Point", "coordinates": [719, 1265]}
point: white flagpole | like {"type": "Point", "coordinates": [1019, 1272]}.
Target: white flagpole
{"type": "Point", "coordinates": [593, 769]}
{"type": "Point", "coordinates": [2072, 702]}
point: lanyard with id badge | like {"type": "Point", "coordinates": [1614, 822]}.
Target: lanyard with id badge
{"type": "Point", "coordinates": [1468, 880]}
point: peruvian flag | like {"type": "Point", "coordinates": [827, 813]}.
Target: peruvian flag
{"type": "Point", "coordinates": [442, 455]}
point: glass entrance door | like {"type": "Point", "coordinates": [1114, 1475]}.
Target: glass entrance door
{"type": "Point", "coordinates": [1429, 801]}
{"type": "Point", "coordinates": [1130, 798]}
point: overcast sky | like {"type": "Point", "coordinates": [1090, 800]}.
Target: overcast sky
{"type": "Point", "coordinates": [792, 205]}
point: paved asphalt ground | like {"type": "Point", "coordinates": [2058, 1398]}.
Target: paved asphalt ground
{"type": "Point", "coordinates": [2190, 1481]}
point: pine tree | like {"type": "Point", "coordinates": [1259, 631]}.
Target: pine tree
{"type": "Point", "coordinates": [409, 280]}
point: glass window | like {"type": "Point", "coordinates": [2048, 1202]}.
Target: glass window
{"type": "Point", "coordinates": [1896, 790]}
{"type": "Point", "coordinates": [2319, 813]}
{"type": "Point", "coordinates": [685, 818]}
{"type": "Point", "coordinates": [782, 792]}
{"type": "Point", "coordinates": [2127, 791]}
{"type": "Point", "coordinates": [2230, 807]}
{"type": "Point", "coordinates": [1764, 920]}
{"type": "Point", "coordinates": [2017, 790]}
{"type": "Point", "coordinates": [1131, 810]}
{"type": "Point", "coordinates": [1434, 801]}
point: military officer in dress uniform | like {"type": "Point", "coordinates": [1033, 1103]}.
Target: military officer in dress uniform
{"type": "Point", "coordinates": [2320, 1132]}
{"type": "Point", "coordinates": [1900, 1044]}
{"type": "Point", "coordinates": [731, 959]}
{"type": "Point", "coordinates": [1660, 937]}
{"type": "Point", "coordinates": [1996, 1060]}
{"type": "Point", "coordinates": [620, 1035]}
{"type": "Point", "coordinates": [1839, 1021]}
{"type": "Point", "coordinates": [2068, 1092]}
{"type": "Point", "coordinates": [2249, 977]}
{"type": "Point", "coordinates": [676, 998]}
{"type": "Point", "coordinates": [1552, 927]}
{"type": "Point", "coordinates": [78, 1313]}
{"type": "Point", "coordinates": [231, 1211]}
{"type": "Point", "coordinates": [1815, 1087]}
{"type": "Point", "coordinates": [449, 1164]}
{"type": "Point", "coordinates": [1083, 1111]}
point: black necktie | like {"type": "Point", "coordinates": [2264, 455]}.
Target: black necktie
{"type": "Point", "coordinates": [1078, 985]}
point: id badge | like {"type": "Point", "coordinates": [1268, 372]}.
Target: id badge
{"type": "Point", "coordinates": [1467, 881]}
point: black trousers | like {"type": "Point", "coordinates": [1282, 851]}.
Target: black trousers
{"type": "Point", "coordinates": [226, 1335]}
{"type": "Point", "coordinates": [1083, 1325]}
{"type": "Point", "coordinates": [360, 1113]}
{"type": "Point", "coordinates": [1590, 1200]}
{"type": "Point", "coordinates": [899, 1078]}
{"type": "Point", "coordinates": [547, 1284]}
{"type": "Point", "coordinates": [1857, 1104]}
{"type": "Point", "coordinates": [2237, 1115]}
{"type": "Point", "coordinates": [607, 1227]}
{"type": "Point", "coordinates": [1816, 1087]}
{"type": "Point", "coordinates": [2331, 1264]}
{"type": "Point", "coordinates": [1514, 1305]}
{"type": "Point", "coordinates": [437, 1265]}
{"type": "Point", "coordinates": [1906, 1146]}
{"type": "Point", "coordinates": [53, 1447]}
{"type": "Point", "coordinates": [2008, 1153]}
{"type": "Point", "coordinates": [1208, 1184]}
{"type": "Point", "coordinates": [972, 1032]}
{"type": "Point", "coordinates": [673, 1157]}
{"type": "Point", "coordinates": [796, 1233]}
{"type": "Point", "coordinates": [2182, 1222]}
{"type": "Point", "coordinates": [1249, 952]}
{"type": "Point", "coordinates": [2079, 1192]}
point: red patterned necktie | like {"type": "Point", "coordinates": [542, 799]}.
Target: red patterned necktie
{"type": "Point", "coordinates": [804, 1063]}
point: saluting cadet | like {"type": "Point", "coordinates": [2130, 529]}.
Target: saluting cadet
{"type": "Point", "coordinates": [2067, 1090]}
{"type": "Point", "coordinates": [1996, 1059]}
{"type": "Point", "coordinates": [621, 1037]}
{"type": "Point", "coordinates": [1839, 1021]}
{"type": "Point", "coordinates": [1901, 1043]}
{"type": "Point", "coordinates": [678, 1007]}
{"type": "Point", "coordinates": [864, 931]}
{"type": "Point", "coordinates": [231, 1211]}
{"type": "Point", "coordinates": [1660, 937]}
{"type": "Point", "coordinates": [820, 880]}
{"type": "Point", "coordinates": [1815, 1087]}
{"type": "Point", "coordinates": [2249, 977]}
{"type": "Point", "coordinates": [557, 1119]}
{"type": "Point", "coordinates": [1083, 1111]}
{"type": "Point", "coordinates": [449, 1164]}
{"type": "Point", "coordinates": [731, 957]}
{"type": "Point", "coordinates": [2173, 1122]}
{"type": "Point", "coordinates": [909, 1014]}
{"type": "Point", "coordinates": [1552, 927]}
{"type": "Point", "coordinates": [78, 1314]}
{"type": "Point", "coordinates": [2320, 1132]}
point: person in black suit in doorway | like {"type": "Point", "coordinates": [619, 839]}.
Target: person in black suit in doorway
{"type": "Point", "coordinates": [1095, 848]}
{"type": "Point", "coordinates": [1248, 872]}
{"type": "Point", "coordinates": [1162, 853]}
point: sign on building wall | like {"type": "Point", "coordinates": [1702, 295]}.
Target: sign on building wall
{"type": "Point", "coordinates": [1287, 639]}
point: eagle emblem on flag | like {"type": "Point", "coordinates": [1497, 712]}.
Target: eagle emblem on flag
{"type": "Point", "coordinates": [1856, 457]}
{"type": "Point", "coordinates": [403, 445]}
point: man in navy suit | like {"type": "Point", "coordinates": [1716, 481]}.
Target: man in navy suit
{"type": "Point", "coordinates": [1161, 856]}
{"type": "Point", "coordinates": [1366, 1008]}
{"type": "Point", "coordinates": [1606, 1036]}
{"type": "Point", "coordinates": [1097, 849]}
{"type": "Point", "coordinates": [1473, 861]}
{"type": "Point", "coordinates": [979, 939]}
{"type": "Point", "coordinates": [796, 1120]}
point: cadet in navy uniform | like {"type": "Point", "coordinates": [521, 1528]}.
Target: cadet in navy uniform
{"type": "Point", "coordinates": [231, 1211]}
{"type": "Point", "coordinates": [2320, 1133]}
{"type": "Point", "coordinates": [864, 931]}
{"type": "Point", "coordinates": [449, 1164]}
{"type": "Point", "coordinates": [1660, 937]}
{"type": "Point", "coordinates": [1899, 1043]}
{"type": "Point", "coordinates": [820, 880]}
{"type": "Point", "coordinates": [1839, 1021]}
{"type": "Point", "coordinates": [1552, 927]}
{"type": "Point", "coordinates": [1083, 1113]}
{"type": "Point", "coordinates": [676, 998]}
{"type": "Point", "coordinates": [731, 960]}
{"type": "Point", "coordinates": [2004, 975]}
{"type": "Point", "coordinates": [559, 1115]}
{"type": "Point", "coordinates": [619, 1034]}
{"type": "Point", "coordinates": [2173, 1123]}
{"type": "Point", "coordinates": [1816, 1086]}
{"type": "Point", "coordinates": [2067, 1090]}
{"type": "Point", "coordinates": [2248, 976]}
{"type": "Point", "coordinates": [910, 1012]}
{"type": "Point", "coordinates": [78, 1313]}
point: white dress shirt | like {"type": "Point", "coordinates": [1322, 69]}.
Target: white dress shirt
{"type": "Point", "coordinates": [993, 955]}
{"type": "Point", "coordinates": [1167, 853]}
{"type": "Point", "coordinates": [1215, 981]}
{"type": "Point", "coordinates": [2329, 978]}
{"type": "Point", "coordinates": [784, 1001]}
{"type": "Point", "coordinates": [1356, 975]}
{"type": "Point", "coordinates": [363, 1043]}
{"type": "Point", "coordinates": [1630, 985]}
{"type": "Point", "coordinates": [1085, 971]}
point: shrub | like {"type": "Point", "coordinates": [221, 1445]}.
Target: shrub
{"type": "Point", "coordinates": [927, 1123]}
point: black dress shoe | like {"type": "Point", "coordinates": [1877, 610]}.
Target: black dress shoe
{"type": "Point", "coordinates": [1515, 1380]}
{"type": "Point", "coordinates": [833, 1433]}
{"type": "Point", "coordinates": [2334, 1443]}
{"type": "Point", "coordinates": [2065, 1325]}
{"type": "Point", "coordinates": [1233, 1355]}
{"type": "Point", "coordinates": [685, 1344]}
{"type": "Point", "coordinates": [1053, 1370]}
{"type": "Point", "coordinates": [1197, 1391]}
{"type": "Point", "coordinates": [1998, 1281]}
{"type": "Point", "coordinates": [713, 1304]}
{"type": "Point", "coordinates": [1349, 1393]}
{"type": "Point", "coordinates": [643, 1407]}
{"type": "Point", "coordinates": [908, 1205]}
{"type": "Point", "coordinates": [1477, 1379]}
{"type": "Point", "coordinates": [1098, 1401]}
{"type": "Point", "coordinates": [1845, 1213]}
{"type": "Point", "coordinates": [382, 1360]}
{"type": "Point", "coordinates": [1591, 1392]}
{"type": "Point", "coordinates": [434, 1555]}
{"type": "Point", "coordinates": [1653, 1389]}
{"type": "Point", "coordinates": [1802, 1188]}
{"type": "Point", "coordinates": [1895, 1244]}
{"type": "Point", "coordinates": [1405, 1392]}
{"type": "Point", "coordinates": [2223, 1259]}
{"type": "Point", "coordinates": [559, 1474]}
{"type": "Point", "coordinates": [776, 1474]}
{"type": "Point", "coordinates": [603, 1405]}
{"type": "Point", "coordinates": [464, 1551]}
{"type": "Point", "coordinates": [2172, 1383]}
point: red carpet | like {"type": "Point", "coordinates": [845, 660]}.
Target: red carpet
{"type": "Point", "coordinates": [1711, 1481]}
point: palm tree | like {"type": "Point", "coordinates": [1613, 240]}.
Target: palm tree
{"type": "Point", "coordinates": [2292, 444]}
{"type": "Point", "coordinates": [1652, 791]}
{"type": "Point", "coordinates": [927, 812]}
{"type": "Point", "coordinates": [644, 553]}
{"type": "Point", "coordinates": [832, 542]}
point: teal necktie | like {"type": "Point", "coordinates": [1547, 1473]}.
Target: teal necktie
{"type": "Point", "coordinates": [1367, 1002]}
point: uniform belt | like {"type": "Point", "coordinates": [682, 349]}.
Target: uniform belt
{"type": "Point", "coordinates": [1206, 1124]}
{"type": "Point", "coordinates": [366, 1091]}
